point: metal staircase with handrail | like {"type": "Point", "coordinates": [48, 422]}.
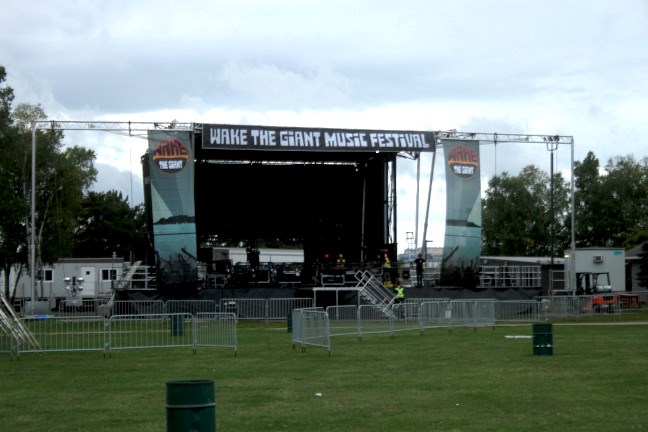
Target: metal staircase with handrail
{"type": "Point", "coordinates": [371, 289]}
{"type": "Point", "coordinates": [11, 325]}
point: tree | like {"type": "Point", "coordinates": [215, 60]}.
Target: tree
{"type": "Point", "coordinates": [12, 205]}
{"type": "Point", "coordinates": [590, 227]}
{"type": "Point", "coordinates": [625, 196]}
{"type": "Point", "coordinates": [516, 219]}
{"type": "Point", "coordinates": [107, 225]}
{"type": "Point", "coordinates": [612, 206]}
{"type": "Point", "coordinates": [642, 276]}
{"type": "Point", "coordinates": [62, 178]}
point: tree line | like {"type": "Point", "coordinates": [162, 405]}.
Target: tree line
{"type": "Point", "coordinates": [69, 218]}
{"type": "Point", "coordinates": [527, 215]}
{"type": "Point", "coordinates": [530, 215]}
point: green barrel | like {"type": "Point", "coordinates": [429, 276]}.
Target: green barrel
{"type": "Point", "coordinates": [542, 339]}
{"type": "Point", "coordinates": [191, 406]}
{"type": "Point", "coordinates": [177, 325]}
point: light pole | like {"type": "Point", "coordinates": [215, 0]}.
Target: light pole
{"type": "Point", "coordinates": [32, 242]}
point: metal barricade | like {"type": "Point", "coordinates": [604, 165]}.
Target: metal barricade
{"type": "Point", "coordinates": [244, 308]}
{"type": "Point", "coordinates": [343, 320]}
{"type": "Point", "coordinates": [311, 327]}
{"type": "Point", "coordinates": [279, 308]}
{"type": "Point", "coordinates": [216, 329]}
{"type": "Point", "coordinates": [67, 333]}
{"type": "Point", "coordinates": [434, 314]}
{"type": "Point", "coordinates": [137, 307]}
{"type": "Point", "coordinates": [150, 331]}
{"type": "Point", "coordinates": [406, 314]}
{"type": "Point", "coordinates": [472, 313]}
{"type": "Point", "coordinates": [374, 319]}
{"type": "Point", "coordinates": [518, 310]}
{"type": "Point", "coordinates": [190, 306]}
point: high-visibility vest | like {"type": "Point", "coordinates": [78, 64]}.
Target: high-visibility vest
{"type": "Point", "coordinates": [400, 292]}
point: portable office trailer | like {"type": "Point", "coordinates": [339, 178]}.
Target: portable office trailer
{"type": "Point", "coordinates": [77, 278]}
{"type": "Point", "coordinates": [598, 260]}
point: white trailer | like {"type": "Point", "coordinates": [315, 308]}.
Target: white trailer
{"type": "Point", "coordinates": [593, 261]}
{"type": "Point", "coordinates": [73, 279]}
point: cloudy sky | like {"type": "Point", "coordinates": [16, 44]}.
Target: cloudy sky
{"type": "Point", "coordinates": [569, 67]}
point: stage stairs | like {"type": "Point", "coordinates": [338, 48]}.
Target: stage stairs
{"type": "Point", "coordinates": [135, 274]}
{"type": "Point", "coordinates": [11, 325]}
{"type": "Point", "coordinates": [372, 291]}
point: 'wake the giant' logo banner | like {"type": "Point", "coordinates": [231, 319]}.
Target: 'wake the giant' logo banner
{"type": "Point", "coordinates": [462, 244]}
{"type": "Point", "coordinates": [173, 208]}
{"type": "Point", "coordinates": [233, 137]}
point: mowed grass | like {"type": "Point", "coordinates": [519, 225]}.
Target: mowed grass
{"type": "Point", "coordinates": [458, 380]}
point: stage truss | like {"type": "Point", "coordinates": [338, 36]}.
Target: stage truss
{"type": "Point", "coordinates": [140, 130]}
{"type": "Point", "coordinates": [551, 141]}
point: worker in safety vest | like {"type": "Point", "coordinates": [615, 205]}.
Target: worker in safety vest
{"type": "Point", "coordinates": [400, 291]}
{"type": "Point", "coordinates": [388, 280]}
{"type": "Point", "coordinates": [386, 262]}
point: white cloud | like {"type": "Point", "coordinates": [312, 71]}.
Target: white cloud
{"type": "Point", "coordinates": [573, 68]}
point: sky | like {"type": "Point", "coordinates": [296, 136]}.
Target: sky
{"type": "Point", "coordinates": [576, 68]}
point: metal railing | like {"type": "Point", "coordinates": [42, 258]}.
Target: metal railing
{"type": "Point", "coordinates": [121, 332]}
{"type": "Point", "coordinates": [311, 327]}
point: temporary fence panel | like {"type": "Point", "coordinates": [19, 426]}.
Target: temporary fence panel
{"type": "Point", "coordinates": [86, 306]}
{"type": "Point", "coordinates": [484, 313]}
{"type": "Point", "coordinates": [518, 310]}
{"type": "Point", "coordinates": [434, 314]}
{"type": "Point", "coordinates": [299, 334]}
{"type": "Point", "coordinates": [150, 331]}
{"type": "Point", "coordinates": [78, 333]}
{"type": "Point", "coordinates": [7, 335]}
{"type": "Point", "coordinates": [254, 309]}
{"type": "Point", "coordinates": [460, 313]}
{"type": "Point", "coordinates": [12, 326]}
{"type": "Point", "coordinates": [316, 329]}
{"type": "Point", "coordinates": [406, 316]}
{"type": "Point", "coordinates": [280, 308]}
{"type": "Point", "coordinates": [343, 320]}
{"type": "Point", "coordinates": [472, 313]}
{"type": "Point", "coordinates": [6, 340]}
{"type": "Point", "coordinates": [217, 329]}
{"type": "Point", "coordinates": [374, 319]}
{"type": "Point", "coordinates": [297, 318]}
{"type": "Point", "coordinates": [138, 307]}
{"type": "Point", "coordinates": [192, 307]}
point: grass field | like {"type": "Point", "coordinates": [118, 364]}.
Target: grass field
{"type": "Point", "coordinates": [459, 380]}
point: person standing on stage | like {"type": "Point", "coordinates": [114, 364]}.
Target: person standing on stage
{"type": "Point", "coordinates": [419, 270]}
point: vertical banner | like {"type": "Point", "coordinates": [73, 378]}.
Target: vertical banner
{"type": "Point", "coordinates": [462, 243]}
{"type": "Point", "coordinates": [172, 206]}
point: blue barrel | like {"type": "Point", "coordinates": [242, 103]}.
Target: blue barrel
{"type": "Point", "coordinates": [191, 406]}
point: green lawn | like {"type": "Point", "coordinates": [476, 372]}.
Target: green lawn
{"type": "Point", "coordinates": [459, 380]}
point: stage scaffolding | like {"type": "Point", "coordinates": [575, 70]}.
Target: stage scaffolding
{"type": "Point", "coordinates": [140, 130]}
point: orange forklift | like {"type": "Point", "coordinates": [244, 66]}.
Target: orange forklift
{"type": "Point", "coordinates": [598, 286]}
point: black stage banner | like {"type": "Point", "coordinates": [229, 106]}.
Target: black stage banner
{"type": "Point", "coordinates": [234, 137]}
